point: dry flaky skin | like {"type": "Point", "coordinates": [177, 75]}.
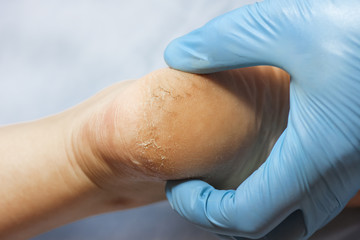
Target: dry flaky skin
{"type": "Point", "coordinates": [173, 125]}
{"type": "Point", "coordinates": [207, 126]}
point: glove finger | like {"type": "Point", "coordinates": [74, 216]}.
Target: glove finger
{"type": "Point", "coordinates": [214, 210]}
{"type": "Point", "coordinates": [241, 38]}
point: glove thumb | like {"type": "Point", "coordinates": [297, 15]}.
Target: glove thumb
{"type": "Point", "coordinates": [244, 37]}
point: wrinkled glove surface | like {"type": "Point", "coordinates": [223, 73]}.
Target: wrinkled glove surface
{"type": "Point", "coordinates": [315, 165]}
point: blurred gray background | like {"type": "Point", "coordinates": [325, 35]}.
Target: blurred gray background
{"type": "Point", "coordinates": [54, 54]}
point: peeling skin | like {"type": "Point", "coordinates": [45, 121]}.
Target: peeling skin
{"type": "Point", "coordinates": [172, 125]}
{"type": "Point", "coordinates": [147, 134]}
{"type": "Point", "coordinates": [196, 126]}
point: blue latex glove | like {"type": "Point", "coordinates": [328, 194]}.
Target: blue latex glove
{"type": "Point", "coordinates": [315, 165]}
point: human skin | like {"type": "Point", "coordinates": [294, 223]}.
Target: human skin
{"type": "Point", "coordinates": [116, 150]}
{"type": "Point", "coordinates": [175, 125]}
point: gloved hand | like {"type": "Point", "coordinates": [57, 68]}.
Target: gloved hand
{"type": "Point", "coordinates": [315, 165]}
